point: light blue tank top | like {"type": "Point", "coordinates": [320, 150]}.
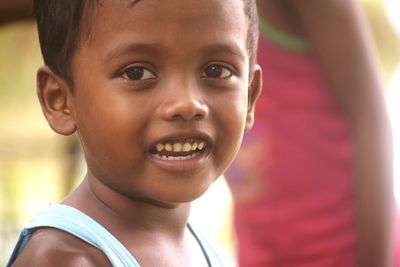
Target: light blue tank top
{"type": "Point", "coordinates": [82, 226]}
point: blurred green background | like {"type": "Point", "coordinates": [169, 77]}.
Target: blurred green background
{"type": "Point", "coordinates": [38, 166]}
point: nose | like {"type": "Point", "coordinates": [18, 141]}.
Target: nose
{"type": "Point", "coordinates": [184, 104]}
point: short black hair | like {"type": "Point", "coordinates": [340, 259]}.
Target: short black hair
{"type": "Point", "coordinates": [59, 28]}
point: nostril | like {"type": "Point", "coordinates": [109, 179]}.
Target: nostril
{"type": "Point", "coordinates": [199, 110]}
{"type": "Point", "coordinates": [184, 109]}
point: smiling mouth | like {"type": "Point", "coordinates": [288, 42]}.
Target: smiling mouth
{"type": "Point", "coordinates": [179, 149]}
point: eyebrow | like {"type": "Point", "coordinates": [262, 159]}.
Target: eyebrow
{"type": "Point", "coordinates": [132, 2]}
{"type": "Point", "coordinates": [123, 49]}
{"type": "Point", "coordinates": [230, 48]}
{"type": "Point", "coordinates": [154, 49]}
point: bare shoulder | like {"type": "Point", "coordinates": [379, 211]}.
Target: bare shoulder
{"type": "Point", "coordinates": [52, 247]}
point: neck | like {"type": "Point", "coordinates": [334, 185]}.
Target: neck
{"type": "Point", "coordinates": [126, 216]}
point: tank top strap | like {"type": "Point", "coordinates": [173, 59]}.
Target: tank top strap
{"type": "Point", "coordinates": [82, 226]}
{"type": "Point", "coordinates": [214, 256]}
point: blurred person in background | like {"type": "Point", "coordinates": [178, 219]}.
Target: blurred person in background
{"type": "Point", "coordinates": [312, 184]}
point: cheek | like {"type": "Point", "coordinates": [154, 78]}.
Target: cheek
{"type": "Point", "coordinates": [235, 111]}
{"type": "Point", "coordinates": [107, 130]}
{"type": "Point", "coordinates": [236, 125]}
{"type": "Point", "coordinates": [232, 122]}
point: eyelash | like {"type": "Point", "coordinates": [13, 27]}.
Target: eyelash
{"type": "Point", "coordinates": [224, 71]}
{"type": "Point", "coordinates": [139, 73]}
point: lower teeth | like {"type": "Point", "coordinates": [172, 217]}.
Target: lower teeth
{"type": "Point", "coordinates": [164, 157]}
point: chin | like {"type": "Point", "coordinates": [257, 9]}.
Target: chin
{"type": "Point", "coordinates": [186, 196]}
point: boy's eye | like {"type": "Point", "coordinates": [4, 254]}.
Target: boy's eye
{"type": "Point", "coordinates": [216, 71]}
{"type": "Point", "coordinates": [137, 73]}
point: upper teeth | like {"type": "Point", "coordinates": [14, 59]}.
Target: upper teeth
{"type": "Point", "coordinates": [180, 147]}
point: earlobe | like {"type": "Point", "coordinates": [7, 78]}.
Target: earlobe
{"type": "Point", "coordinates": [254, 91]}
{"type": "Point", "coordinates": [56, 100]}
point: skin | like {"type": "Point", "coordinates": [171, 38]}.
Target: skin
{"type": "Point", "coordinates": [341, 42]}
{"type": "Point", "coordinates": [143, 201]}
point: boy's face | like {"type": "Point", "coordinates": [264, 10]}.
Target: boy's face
{"type": "Point", "coordinates": [162, 75]}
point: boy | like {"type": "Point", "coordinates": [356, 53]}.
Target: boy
{"type": "Point", "coordinates": [160, 93]}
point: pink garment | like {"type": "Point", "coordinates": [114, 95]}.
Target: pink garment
{"type": "Point", "coordinates": [292, 180]}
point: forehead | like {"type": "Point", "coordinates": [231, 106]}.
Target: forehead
{"type": "Point", "coordinates": [167, 22]}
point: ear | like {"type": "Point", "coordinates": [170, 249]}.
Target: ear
{"type": "Point", "coordinates": [56, 100]}
{"type": "Point", "coordinates": [254, 91]}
